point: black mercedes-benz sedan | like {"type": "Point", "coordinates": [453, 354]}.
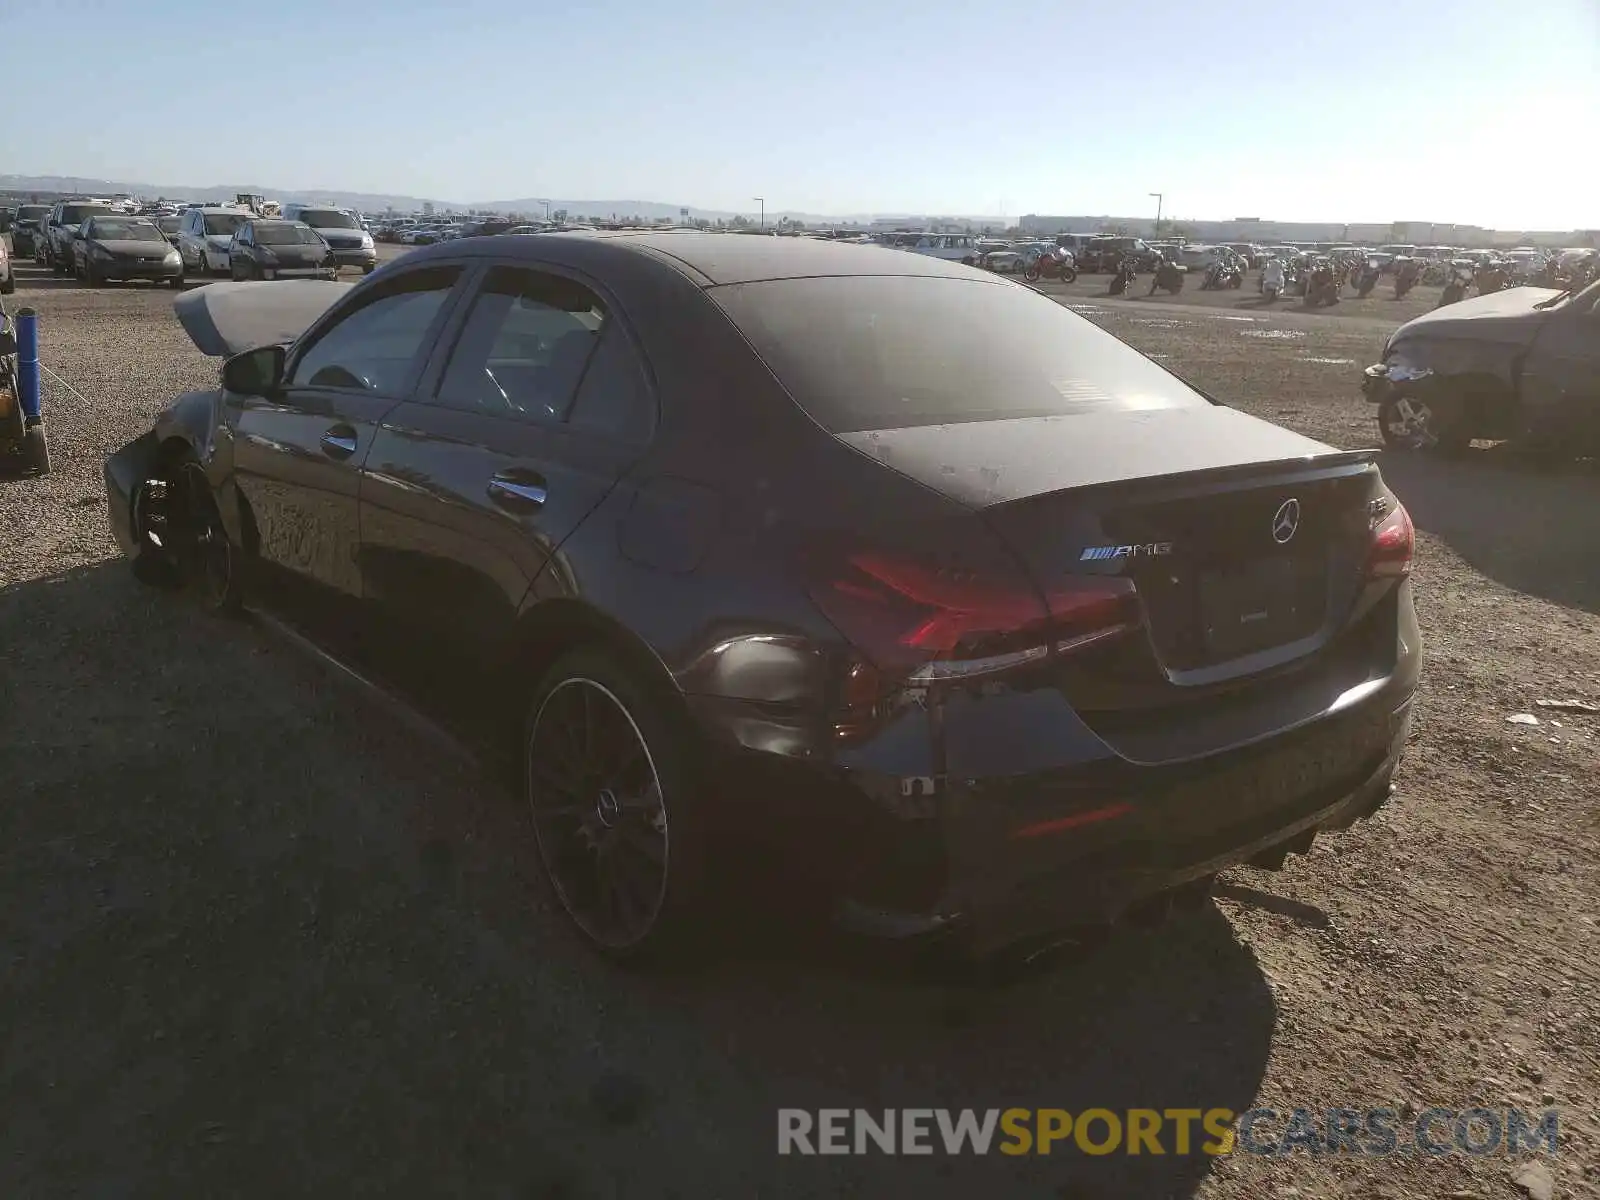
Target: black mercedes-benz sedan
{"type": "Point", "coordinates": [785, 558]}
{"type": "Point", "coordinates": [127, 248]}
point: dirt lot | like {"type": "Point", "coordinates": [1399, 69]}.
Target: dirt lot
{"type": "Point", "coordinates": [257, 939]}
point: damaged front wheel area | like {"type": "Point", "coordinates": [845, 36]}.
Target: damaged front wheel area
{"type": "Point", "coordinates": [1413, 422]}
{"type": "Point", "coordinates": [181, 537]}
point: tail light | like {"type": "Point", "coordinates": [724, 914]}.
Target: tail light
{"type": "Point", "coordinates": [919, 624]}
{"type": "Point", "coordinates": [1393, 544]}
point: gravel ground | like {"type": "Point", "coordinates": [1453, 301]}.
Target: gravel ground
{"type": "Point", "coordinates": [257, 939]}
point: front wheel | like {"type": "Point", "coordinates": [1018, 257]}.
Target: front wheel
{"type": "Point", "coordinates": [617, 813]}
{"type": "Point", "coordinates": [1412, 423]}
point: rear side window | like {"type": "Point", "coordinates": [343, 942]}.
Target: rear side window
{"type": "Point", "coordinates": [375, 346]}
{"type": "Point", "coordinates": [524, 346]}
{"type": "Point", "coordinates": [886, 352]}
{"type": "Point", "coordinates": [614, 398]}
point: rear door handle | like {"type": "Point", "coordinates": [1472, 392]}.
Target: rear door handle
{"type": "Point", "coordinates": [339, 442]}
{"type": "Point", "coordinates": [519, 491]}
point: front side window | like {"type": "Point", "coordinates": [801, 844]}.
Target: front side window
{"type": "Point", "coordinates": [374, 347]}
{"type": "Point", "coordinates": [614, 398]}
{"type": "Point", "coordinates": [524, 346]}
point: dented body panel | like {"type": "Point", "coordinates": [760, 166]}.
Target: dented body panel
{"type": "Point", "coordinates": [1519, 364]}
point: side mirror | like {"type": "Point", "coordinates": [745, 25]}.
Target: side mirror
{"type": "Point", "coordinates": [257, 372]}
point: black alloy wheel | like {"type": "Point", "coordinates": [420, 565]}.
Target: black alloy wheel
{"type": "Point", "coordinates": [206, 559]}
{"type": "Point", "coordinates": [615, 819]}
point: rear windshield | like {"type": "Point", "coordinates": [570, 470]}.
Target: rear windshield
{"type": "Point", "coordinates": [328, 218]}
{"type": "Point", "coordinates": [76, 214]}
{"type": "Point", "coordinates": [887, 352]}
{"type": "Point", "coordinates": [220, 223]}
{"type": "Point", "coordinates": [169, 225]}
{"type": "Point", "coordinates": [32, 212]}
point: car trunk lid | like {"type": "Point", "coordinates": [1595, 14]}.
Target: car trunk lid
{"type": "Point", "coordinates": [1245, 540]}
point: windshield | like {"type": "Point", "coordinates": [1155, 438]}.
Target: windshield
{"type": "Point", "coordinates": [224, 223]}
{"type": "Point", "coordinates": [111, 230]}
{"type": "Point", "coordinates": [31, 212]}
{"type": "Point", "coordinates": [169, 225]}
{"type": "Point", "coordinates": [328, 218]}
{"type": "Point", "coordinates": [886, 352]}
{"type": "Point", "coordinates": [76, 214]}
{"type": "Point", "coordinates": [286, 235]}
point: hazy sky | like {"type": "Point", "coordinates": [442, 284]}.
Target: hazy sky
{"type": "Point", "coordinates": [1469, 111]}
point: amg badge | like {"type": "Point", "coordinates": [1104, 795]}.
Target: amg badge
{"type": "Point", "coordinates": [1146, 550]}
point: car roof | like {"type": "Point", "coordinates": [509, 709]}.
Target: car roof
{"type": "Point", "coordinates": [711, 258]}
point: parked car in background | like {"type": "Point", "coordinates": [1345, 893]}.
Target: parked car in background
{"type": "Point", "coordinates": [206, 235]}
{"type": "Point", "coordinates": [124, 248]}
{"type": "Point", "coordinates": [489, 227]}
{"type": "Point", "coordinates": [341, 229]}
{"type": "Point", "coordinates": [8, 279]}
{"type": "Point", "coordinates": [1519, 365]}
{"type": "Point", "coordinates": [27, 229]}
{"type": "Point", "coordinates": [280, 249]}
{"type": "Point", "coordinates": [1524, 262]}
{"type": "Point", "coordinates": [1117, 635]}
{"type": "Point", "coordinates": [1105, 253]}
{"type": "Point", "coordinates": [61, 227]}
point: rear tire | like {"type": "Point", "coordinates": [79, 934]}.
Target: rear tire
{"type": "Point", "coordinates": [611, 778]}
{"type": "Point", "coordinates": [208, 563]}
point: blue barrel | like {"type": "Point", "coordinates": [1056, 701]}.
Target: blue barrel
{"type": "Point", "coordinates": [28, 364]}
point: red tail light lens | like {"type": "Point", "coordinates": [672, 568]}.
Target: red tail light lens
{"type": "Point", "coordinates": [925, 623]}
{"type": "Point", "coordinates": [1393, 544]}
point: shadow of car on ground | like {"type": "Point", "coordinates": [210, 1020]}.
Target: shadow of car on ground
{"type": "Point", "coordinates": [255, 930]}
{"type": "Point", "coordinates": [1529, 522]}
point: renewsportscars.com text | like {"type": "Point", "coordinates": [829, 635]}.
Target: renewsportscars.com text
{"type": "Point", "coordinates": [1374, 1132]}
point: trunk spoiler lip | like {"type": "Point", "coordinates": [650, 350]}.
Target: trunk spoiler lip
{"type": "Point", "coordinates": [1335, 462]}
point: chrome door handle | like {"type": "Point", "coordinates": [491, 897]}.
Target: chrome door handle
{"type": "Point", "coordinates": [337, 444]}
{"type": "Point", "coordinates": [514, 493]}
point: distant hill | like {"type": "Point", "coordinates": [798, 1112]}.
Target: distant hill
{"type": "Point", "coordinates": [377, 201]}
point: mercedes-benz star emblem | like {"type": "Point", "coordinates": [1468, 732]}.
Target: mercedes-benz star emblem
{"type": "Point", "coordinates": [1286, 520]}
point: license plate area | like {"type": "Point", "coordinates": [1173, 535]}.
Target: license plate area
{"type": "Point", "coordinates": [1254, 605]}
{"type": "Point", "coordinates": [1245, 799]}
